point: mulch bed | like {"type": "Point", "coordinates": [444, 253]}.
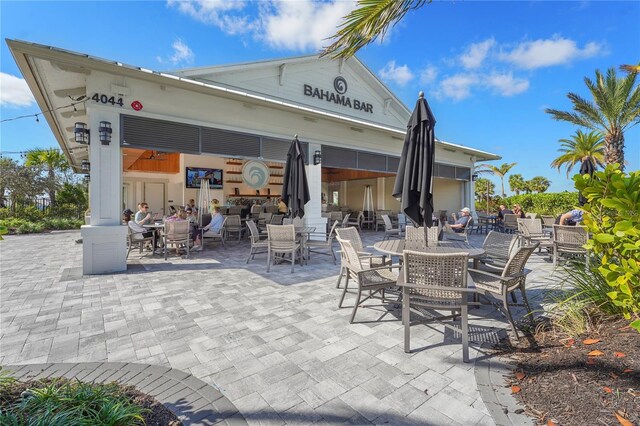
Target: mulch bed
{"type": "Point", "coordinates": [560, 383]}
{"type": "Point", "coordinates": [158, 415]}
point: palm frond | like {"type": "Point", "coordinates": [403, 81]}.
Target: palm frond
{"type": "Point", "coordinates": [632, 69]}
{"type": "Point", "coordinates": [370, 20]}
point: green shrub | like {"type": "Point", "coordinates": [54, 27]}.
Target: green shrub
{"type": "Point", "coordinates": [5, 213]}
{"type": "Point", "coordinates": [545, 203]}
{"type": "Point", "coordinates": [57, 224]}
{"type": "Point", "coordinates": [29, 213]}
{"type": "Point", "coordinates": [613, 218]}
{"type": "Point", "coordinates": [65, 211]}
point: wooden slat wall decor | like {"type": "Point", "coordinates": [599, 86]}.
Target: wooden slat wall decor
{"type": "Point", "coordinates": [137, 160]}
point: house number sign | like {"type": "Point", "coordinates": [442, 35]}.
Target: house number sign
{"type": "Point", "coordinates": [101, 98]}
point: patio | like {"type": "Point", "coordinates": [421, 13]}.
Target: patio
{"type": "Point", "coordinates": [275, 344]}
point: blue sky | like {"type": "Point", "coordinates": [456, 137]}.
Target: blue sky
{"type": "Point", "coordinates": [488, 68]}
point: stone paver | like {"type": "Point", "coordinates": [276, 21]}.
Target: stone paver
{"type": "Point", "coordinates": [275, 344]}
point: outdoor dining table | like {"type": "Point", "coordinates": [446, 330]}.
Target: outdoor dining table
{"type": "Point", "coordinates": [156, 228]}
{"type": "Point", "coordinates": [486, 222]}
{"type": "Point", "coordinates": [304, 232]}
{"type": "Point", "coordinates": [396, 247]}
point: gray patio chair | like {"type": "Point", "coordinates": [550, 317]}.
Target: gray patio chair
{"type": "Point", "coordinates": [263, 219]}
{"type": "Point", "coordinates": [276, 219]}
{"type": "Point", "coordinates": [389, 230]}
{"type": "Point", "coordinates": [530, 230]}
{"type": "Point", "coordinates": [234, 226]}
{"type": "Point", "coordinates": [333, 216]}
{"type": "Point", "coordinates": [547, 223]}
{"type": "Point", "coordinates": [355, 220]}
{"type": "Point", "coordinates": [136, 237]}
{"type": "Point", "coordinates": [323, 245]}
{"type": "Point", "coordinates": [500, 285]}
{"type": "Point", "coordinates": [418, 235]}
{"type": "Point", "coordinates": [379, 221]}
{"type": "Point", "coordinates": [219, 235]}
{"type": "Point", "coordinates": [271, 209]}
{"type": "Point", "coordinates": [235, 210]}
{"type": "Point", "coordinates": [373, 280]}
{"type": "Point", "coordinates": [257, 242]}
{"type": "Point", "coordinates": [460, 236]}
{"type": "Point", "coordinates": [176, 233]}
{"type": "Point", "coordinates": [510, 223]}
{"type": "Point", "coordinates": [287, 221]}
{"type": "Point", "coordinates": [435, 282]}
{"type": "Point", "coordinates": [531, 215]}
{"type": "Point", "coordinates": [498, 248]}
{"type": "Point", "coordinates": [282, 240]}
{"type": "Point", "coordinates": [569, 240]}
{"type": "Point", "coordinates": [345, 220]}
{"type": "Point", "coordinates": [351, 234]}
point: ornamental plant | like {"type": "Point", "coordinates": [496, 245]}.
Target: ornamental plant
{"type": "Point", "coordinates": [613, 219]}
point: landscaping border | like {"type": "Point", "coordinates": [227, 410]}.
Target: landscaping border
{"type": "Point", "coordinates": [193, 401]}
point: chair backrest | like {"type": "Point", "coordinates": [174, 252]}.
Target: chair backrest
{"type": "Point", "coordinates": [298, 222]}
{"type": "Point", "coordinates": [234, 221]}
{"type": "Point", "coordinates": [499, 244]}
{"type": "Point", "coordinates": [281, 236]}
{"type": "Point", "coordinates": [135, 231]}
{"type": "Point", "coordinates": [351, 234]}
{"type": "Point", "coordinates": [256, 208]}
{"type": "Point", "coordinates": [436, 269]}
{"type": "Point", "coordinates": [235, 210]}
{"type": "Point", "coordinates": [271, 209]}
{"type": "Point", "coordinates": [350, 255]}
{"type": "Point", "coordinates": [380, 215]}
{"type": "Point", "coordinates": [531, 215]}
{"type": "Point", "coordinates": [335, 216]}
{"type": "Point", "coordinates": [253, 229]}
{"type": "Point", "coordinates": [518, 260]}
{"type": "Point", "coordinates": [511, 220]}
{"type": "Point", "coordinates": [276, 219]}
{"type": "Point", "coordinates": [528, 227]}
{"type": "Point", "coordinates": [177, 229]}
{"type": "Point", "coordinates": [573, 237]}
{"type": "Point", "coordinates": [548, 220]}
{"type": "Point", "coordinates": [415, 234]}
{"type": "Point", "coordinates": [387, 222]}
{"type": "Point", "coordinates": [345, 220]}
{"type": "Point", "coordinates": [287, 221]}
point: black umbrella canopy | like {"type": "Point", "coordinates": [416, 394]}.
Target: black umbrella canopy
{"type": "Point", "coordinates": [295, 189]}
{"type": "Point", "coordinates": [586, 168]}
{"type": "Point", "coordinates": [415, 172]}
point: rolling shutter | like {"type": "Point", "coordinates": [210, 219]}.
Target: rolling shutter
{"type": "Point", "coordinates": [373, 162]}
{"type": "Point", "coordinates": [339, 157]}
{"type": "Point", "coordinates": [148, 133]}
{"type": "Point", "coordinates": [222, 142]}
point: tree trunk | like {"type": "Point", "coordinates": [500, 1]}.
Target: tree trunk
{"type": "Point", "coordinates": [614, 148]}
{"type": "Point", "coordinates": [502, 182]}
{"type": "Point", "coordinates": [52, 186]}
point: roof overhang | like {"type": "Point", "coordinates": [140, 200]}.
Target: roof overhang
{"type": "Point", "coordinates": [55, 76]}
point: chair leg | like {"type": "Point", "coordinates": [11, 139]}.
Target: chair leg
{"type": "Point", "coordinates": [465, 332]}
{"type": "Point", "coordinates": [344, 292]}
{"type": "Point", "coordinates": [293, 259]}
{"type": "Point", "coordinates": [406, 320]}
{"type": "Point", "coordinates": [355, 307]}
{"type": "Point", "coordinates": [250, 253]}
{"type": "Point", "coordinates": [334, 256]}
{"type": "Point", "coordinates": [268, 260]}
{"type": "Point", "coordinates": [340, 277]}
{"type": "Point", "coordinates": [526, 303]}
{"type": "Point", "coordinates": [513, 297]}
{"type": "Point", "coordinates": [507, 312]}
{"type": "Point", "coordinates": [165, 249]}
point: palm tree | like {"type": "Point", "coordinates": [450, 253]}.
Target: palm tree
{"type": "Point", "coordinates": [372, 18]}
{"type": "Point", "coordinates": [53, 161]}
{"type": "Point", "coordinates": [539, 184]}
{"type": "Point", "coordinates": [516, 183]}
{"type": "Point", "coordinates": [499, 171]}
{"type": "Point", "coordinates": [581, 147]}
{"type": "Point", "coordinates": [630, 68]}
{"type": "Point", "coordinates": [615, 107]}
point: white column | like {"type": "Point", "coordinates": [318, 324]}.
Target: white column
{"type": "Point", "coordinates": [472, 194]}
{"type": "Point", "coordinates": [104, 239]}
{"type": "Point", "coordinates": [313, 209]}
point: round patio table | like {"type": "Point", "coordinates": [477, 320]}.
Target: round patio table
{"type": "Point", "coordinates": [156, 228]}
{"type": "Point", "coordinates": [396, 247]}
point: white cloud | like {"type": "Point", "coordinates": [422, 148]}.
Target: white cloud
{"type": "Point", "coordinates": [428, 75]}
{"type": "Point", "coordinates": [458, 87]}
{"type": "Point", "coordinates": [506, 84]}
{"type": "Point", "coordinates": [14, 91]}
{"type": "Point", "coordinates": [549, 52]}
{"type": "Point", "coordinates": [475, 54]}
{"type": "Point", "coordinates": [401, 75]}
{"type": "Point", "coordinates": [181, 53]}
{"type": "Point", "coordinates": [299, 25]}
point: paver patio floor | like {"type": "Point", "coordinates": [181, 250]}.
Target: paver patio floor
{"type": "Point", "coordinates": [274, 343]}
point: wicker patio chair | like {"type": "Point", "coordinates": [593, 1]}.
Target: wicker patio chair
{"type": "Point", "coordinates": [256, 209]}
{"type": "Point", "coordinates": [136, 237]}
{"type": "Point", "coordinates": [370, 279]}
{"type": "Point", "coordinates": [460, 236]}
{"type": "Point", "coordinates": [323, 245]}
{"type": "Point", "coordinates": [176, 233]}
{"type": "Point", "coordinates": [498, 247]}
{"type": "Point", "coordinates": [513, 277]}
{"type": "Point", "coordinates": [389, 230]}
{"type": "Point", "coordinates": [263, 219]}
{"type": "Point", "coordinates": [276, 219]}
{"type": "Point", "coordinates": [379, 221]}
{"type": "Point", "coordinates": [531, 215]}
{"type": "Point", "coordinates": [351, 234]}
{"type": "Point", "coordinates": [345, 220]}
{"type": "Point", "coordinates": [234, 226]}
{"type": "Point", "coordinates": [435, 282]}
{"type": "Point", "coordinates": [235, 210]}
{"type": "Point", "coordinates": [530, 230]}
{"type": "Point", "coordinates": [355, 220]}
{"type": "Point", "coordinates": [335, 215]}
{"type": "Point", "coordinates": [257, 243]}
{"type": "Point", "coordinates": [219, 235]}
{"type": "Point", "coordinates": [282, 240]}
{"type": "Point", "coordinates": [570, 240]}
{"type": "Point", "coordinates": [510, 223]}
{"type": "Point", "coordinates": [287, 221]}
{"type": "Point", "coordinates": [271, 209]}
{"type": "Point", "coordinates": [418, 235]}
{"type": "Point", "coordinates": [547, 223]}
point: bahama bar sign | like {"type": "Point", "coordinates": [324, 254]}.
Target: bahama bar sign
{"type": "Point", "coordinates": [338, 97]}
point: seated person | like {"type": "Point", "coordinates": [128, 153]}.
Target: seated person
{"type": "Point", "coordinates": [460, 224]}
{"type": "Point", "coordinates": [143, 215]}
{"type": "Point", "coordinates": [191, 215]}
{"type": "Point", "coordinates": [216, 223]}
{"type": "Point", "coordinates": [517, 210]}
{"type": "Point", "coordinates": [282, 207]}
{"type": "Point", "coordinates": [571, 218]}
{"type": "Point", "coordinates": [126, 216]}
{"type": "Point", "coordinates": [139, 230]}
{"type": "Point", "coordinates": [181, 214]}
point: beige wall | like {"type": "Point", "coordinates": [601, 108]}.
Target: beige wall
{"type": "Point", "coordinates": [355, 192]}
{"type": "Point", "coordinates": [447, 195]}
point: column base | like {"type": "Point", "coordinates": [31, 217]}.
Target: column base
{"type": "Point", "coordinates": [104, 249]}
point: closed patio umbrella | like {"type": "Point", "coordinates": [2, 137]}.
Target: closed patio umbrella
{"type": "Point", "coordinates": [586, 168]}
{"type": "Point", "coordinates": [414, 179]}
{"type": "Point", "coordinates": [295, 190]}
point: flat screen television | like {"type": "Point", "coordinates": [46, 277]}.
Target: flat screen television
{"type": "Point", "coordinates": [195, 173]}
